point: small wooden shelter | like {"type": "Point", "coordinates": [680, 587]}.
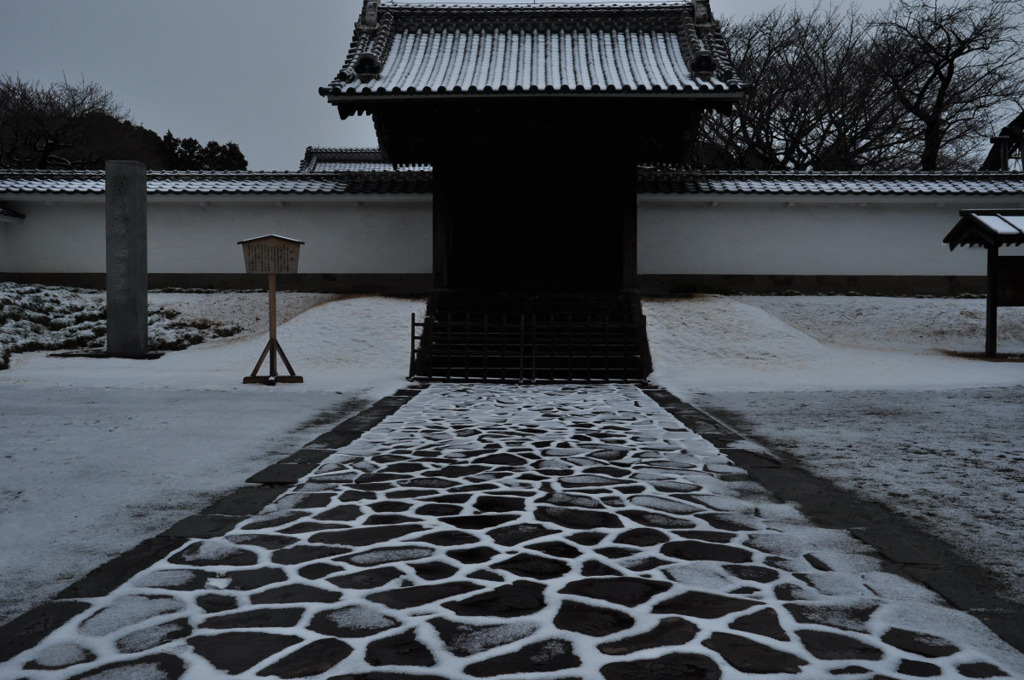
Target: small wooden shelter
{"type": "Point", "coordinates": [992, 230]}
{"type": "Point", "coordinates": [534, 119]}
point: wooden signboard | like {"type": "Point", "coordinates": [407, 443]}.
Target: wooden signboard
{"type": "Point", "coordinates": [1010, 281]}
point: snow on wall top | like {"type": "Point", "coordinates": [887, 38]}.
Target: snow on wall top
{"type": "Point", "coordinates": [326, 178]}
{"type": "Point", "coordinates": [403, 50]}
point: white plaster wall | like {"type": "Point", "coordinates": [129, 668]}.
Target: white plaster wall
{"type": "Point", "coordinates": [348, 237]}
{"type": "Point", "coordinates": [392, 235]}
{"type": "Point", "coordinates": [738, 236]}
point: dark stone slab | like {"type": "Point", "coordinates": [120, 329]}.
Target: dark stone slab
{"type": "Point", "coordinates": [668, 667]}
{"type": "Point", "coordinates": [626, 590]}
{"type": "Point", "coordinates": [27, 630]}
{"type": "Point", "coordinates": [533, 566]}
{"type": "Point", "coordinates": [642, 537]}
{"type": "Point", "coordinates": [476, 555]}
{"type": "Point", "coordinates": [282, 473]}
{"type": "Point", "coordinates": [438, 509]}
{"type": "Point", "coordinates": [658, 520]}
{"type": "Point", "coordinates": [919, 643]}
{"type": "Point", "coordinates": [517, 599]}
{"type": "Point", "coordinates": [312, 500]}
{"type": "Point", "coordinates": [833, 646]}
{"type": "Point", "coordinates": [463, 639]}
{"type": "Point", "coordinates": [315, 658]}
{"type": "Point", "coordinates": [501, 459]}
{"type": "Point", "coordinates": [450, 537]}
{"type": "Point", "coordinates": [352, 621]}
{"type": "Point", "coordinates": [539, 657]}
{"type": "Point", "coordinates": [574, 518]}
{"type": "Point", "coordinates": [753, 657]}
{"type": "Point", "coordinates": [616, 552]}
{"type": "Point", "coordinates": [213, 603]}
{"type": "Point", "coordinates": [519, 533]}
{"type": "Point", "coordinates": [366, 579]}
{"type": "Point", "coordinates": [362, 537]}
{"type": "Point", "coordinates": [342, 513]}
{"type": "Point", "coordinates": [555, 549]}
{"type": "Point", "coordinates": [371, 558]}
{"type": "Point", "coordinates": [301, 554]}
{"type": "Point", "coordinates": [142, 640]}
{"type": "Point", "coordinates": [434, 571]}
{"type": "Point", "coordinates": [669, 632]}
{"type": "Point", "coordinates": [587, 537]}
{"type": "Point", "coordinates": [238, 652]}
{"type": "Point", "coordinates": [244, 502]}
{"type": "Point", "coordinates": [919, 669]}
{"type": "Point", "coordinates": [703, 605]}
{"type": "Point", "coordinates": [70, 654]}
{"type": "Point", "coordinates": [156, 665]}
{"type": "Point", "coordinates": [274, 520]}
{"type": "Point", "coordinates": [699, 550]}
{"type": "Point", "coordinates": [251, 579]}
{"type": "Point", "coordinates": [389, 518]}
{"type": "Point", "coordinates": [597, 568]}
{"type": "Point", "coordinates": [484, 575]}
{"type": "Point", "coordinates": [848, 617]}
{"type": "Point", "coordinates": [268, 541]}
{"type": "Point", "coordinates": [388, 506]}
{"type": "Point", "coordinates": [399, 650]}
{"type": "Point", "coordinates": [764, 622]}
{"type": "Point", "coordinates": [256, 617]}
{"type": "Point", "coordinates": [294, 593]}
{"type": "Point", "coordinates": [981, 670]}
{"type": "Point", "coordinates": [578, 617]}
{"type": "Point", "coordinates": [479, 522]}
{"type": "Point", "coordinates": [417, 596]}
{"type": "Point", "coordinates": [494, 503]}
{"type": "Point", "coordinates": [749, 572]}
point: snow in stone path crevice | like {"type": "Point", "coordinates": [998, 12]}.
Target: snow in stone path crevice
{"type": "Point", "coordinates": [528, 533]}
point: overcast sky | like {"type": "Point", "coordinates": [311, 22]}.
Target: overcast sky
{"type": "Point", "coordinates": [228, 70]}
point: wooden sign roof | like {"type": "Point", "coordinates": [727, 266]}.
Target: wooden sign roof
{"type": "Point", "coordinates": [990, 228]}
{"type": "Point", "coordinates": [405, 51]}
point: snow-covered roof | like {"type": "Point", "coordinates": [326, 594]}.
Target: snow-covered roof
{"type": "Point", "coordinates": [222, 183]}
{"type": "Point", "coordinates": [987, 228]}
{"type": "Point", "coordinates": [672, 181]}
{"type": "Point", "coordinates": [418, 180]}
{"type": "Point", "coordinates": [402, 51]}
{"type": "Point", "coordinates": [319, 159]}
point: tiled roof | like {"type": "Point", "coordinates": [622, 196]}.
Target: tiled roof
{"type": "Point", "coordinates": [987, 228]}
{"type": "Point", "coordinates": [417, 50]}
{"type": "Point", "coordinates": [222, 183]}
{"type": "Point", "coordinates": [419, 181]}
{"type": "Point", "coordinates": [660, 181]}
{"type": "Point", "coordinates": [319, 159]}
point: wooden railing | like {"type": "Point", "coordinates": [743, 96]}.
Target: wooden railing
{"type": "Point", "coordinates": [510, 347]}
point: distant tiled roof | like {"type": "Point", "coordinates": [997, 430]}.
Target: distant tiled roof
{"type": "Point", "coordinates": [403, 50]}
{"type": "Point", "coordinates": [660, 181]}
{"type": "Point", "coordinates": [319, 159]}
{"type": "Point", "coordinates": [223, 183]}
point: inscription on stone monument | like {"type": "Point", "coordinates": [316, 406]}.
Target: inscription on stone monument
{"type": "Point", "coordinates": [127, 266]}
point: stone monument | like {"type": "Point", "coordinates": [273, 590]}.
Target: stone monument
{"type": "Point", "coordinates": [127, 267]}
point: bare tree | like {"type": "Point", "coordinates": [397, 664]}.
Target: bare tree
{"type": "Point", "coordinates": [39, 123]}
{"type": "Point", "coordinates": [814, 101]}
{"type": "Point", "coordinates": [954, 67]}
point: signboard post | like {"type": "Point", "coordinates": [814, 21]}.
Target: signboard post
{"type": "Point", "coordinates": [271, 255]}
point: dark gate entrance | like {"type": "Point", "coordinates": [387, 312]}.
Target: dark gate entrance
{"type": "Point", "coordinates": [534, 119]}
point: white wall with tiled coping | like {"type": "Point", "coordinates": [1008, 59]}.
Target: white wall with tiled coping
{"type": "Point", "coordinates": [733, 234]}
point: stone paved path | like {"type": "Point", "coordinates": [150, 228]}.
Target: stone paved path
{"type": "Point", "coordinates": [542, 533]}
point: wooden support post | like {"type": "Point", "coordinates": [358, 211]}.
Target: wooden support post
{"type": "Point", "coordinates": [992, 302]}
{"type": "Point", "coordinates": [273, 349]}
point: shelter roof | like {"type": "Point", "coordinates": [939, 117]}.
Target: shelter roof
{"type": "Point", "coordinates": [402, 51]}
{"type": "Point", "coordinates": [987, 228]}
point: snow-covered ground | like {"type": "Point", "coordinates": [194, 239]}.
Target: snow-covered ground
{"type": "Point", "coordinates": [96, 455]}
